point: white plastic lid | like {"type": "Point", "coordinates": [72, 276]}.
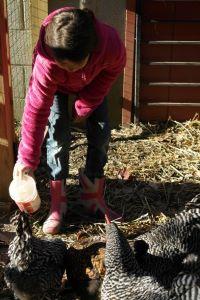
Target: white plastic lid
{"type": "Point", "coordinates": [23, 190]}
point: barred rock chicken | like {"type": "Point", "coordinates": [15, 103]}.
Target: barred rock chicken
{"type": "Point", "coordinates": [36, 265]}
{"type": "Point", "coordinates": [186, 285]}
{"type": "Point", "coordinates": [151, 267]}
{"type": "Point", "coordinates": [125, 279]}
{"type": "Point", "coordinates": [176, 238]}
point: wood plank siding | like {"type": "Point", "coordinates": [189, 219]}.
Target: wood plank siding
{"type": "Point", "coordinates": [169, 77]}
{"type": "Point", "coordinates": [129, 76]}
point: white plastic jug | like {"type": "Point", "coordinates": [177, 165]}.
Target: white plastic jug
{"type": "Point", "coordinates": [24, 192]}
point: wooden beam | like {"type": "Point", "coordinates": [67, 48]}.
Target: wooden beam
{"type": "Point", "coordinates": [174, 84]}
{"type": "Point", "coordinates": [6, 112]}
{"type": "Point", "coordinates": [176, 0]}
{"type": "Point", "coordinates": [173, 63]}
{"type": "Point", "coordinates": [145, 20]}
{"type": "Point", "coordinates": [129, 69]}
{"type": "Point", "coordinates": [172, 42]}
{"type": "Point", "coordinates": [184, 104]}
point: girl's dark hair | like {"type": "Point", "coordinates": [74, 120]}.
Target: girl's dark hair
{"type": "Point", "coordinates": [71, 34]}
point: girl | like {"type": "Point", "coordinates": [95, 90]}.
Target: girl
{"type": "Point", "coordinates": [75, 54]}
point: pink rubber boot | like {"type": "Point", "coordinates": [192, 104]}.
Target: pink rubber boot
{"type": "Point", "coordinates": [58, 207]}
{"type": "Point", "coordinates": [92, 197]}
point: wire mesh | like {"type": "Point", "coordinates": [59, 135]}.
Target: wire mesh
{"type": "Point", "coordinates": [19, 24]}
{"type": "Point", "coordinates": [24, 20]}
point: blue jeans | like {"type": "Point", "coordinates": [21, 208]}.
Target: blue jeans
{"type": "Point", "coordinates": [58, 139]}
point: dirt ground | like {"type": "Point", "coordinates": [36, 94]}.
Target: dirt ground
{"type": "Point", "coordinates": [152, 172]}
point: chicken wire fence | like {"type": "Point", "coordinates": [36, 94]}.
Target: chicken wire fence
{"type": "Point", "coordinates": [24, 19]}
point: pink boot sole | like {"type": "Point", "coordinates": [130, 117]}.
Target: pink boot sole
{"type": "Point", "coordinates": [51, 226]}
{"type": "Point", "coordinates": [53, 223]}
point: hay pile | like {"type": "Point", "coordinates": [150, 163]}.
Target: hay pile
{"type": "Point", "coordinates": [153, 170]}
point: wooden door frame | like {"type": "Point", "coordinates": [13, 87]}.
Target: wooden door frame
{"type": "Point", "coordinates": [129, 71]}
{"type": "Point", "coordinates": [7, 138]}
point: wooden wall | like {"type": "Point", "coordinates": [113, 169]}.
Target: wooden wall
{"type": "Point", "coordinates": [6, 120]}
{"type": "Point", "coordinates": [129, 72]}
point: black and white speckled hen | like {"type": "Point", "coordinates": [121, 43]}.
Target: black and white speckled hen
{"type": "Point", "coordinates": [148, 269]}
{"type": "Point", "coordinates": [125, 278]}
{"type": "Point", "coordinates": [186, 286]}
{"type": "Point", "coordinates": [178, 237]}
{"type": "Point", "coordinates": [36, 265]}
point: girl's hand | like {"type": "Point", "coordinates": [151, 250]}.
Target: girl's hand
{"type": "Point", "coordinates": [20, 169]}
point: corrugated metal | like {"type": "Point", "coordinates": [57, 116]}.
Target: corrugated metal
{"type": "Point", "coordinates": [170, 60]}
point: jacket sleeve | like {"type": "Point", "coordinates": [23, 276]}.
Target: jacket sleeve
{"type": "Point", "coordinates": [39, 99]}
{"type": "Point", "coordinates": [93, 94]}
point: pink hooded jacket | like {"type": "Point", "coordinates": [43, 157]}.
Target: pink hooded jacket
{"type": "Point", "coordinates": [91, 84]}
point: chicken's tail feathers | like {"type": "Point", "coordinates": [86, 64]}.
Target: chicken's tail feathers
{"type": "Point", "coordinates": [22, 222]}
{"type": "Point", "coordinates": [20, 249]}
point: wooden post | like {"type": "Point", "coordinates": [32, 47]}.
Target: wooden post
{"type": "Point", "coordinates": [6, 112]}
{"type": "Point", "coordinates": [128, 94]}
